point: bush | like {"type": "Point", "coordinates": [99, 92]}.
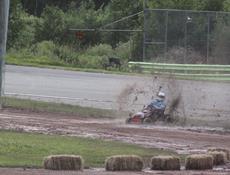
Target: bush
{"type": "Point", "coordinates": [49, 49]}
{"type": "Point", "coordinates": [21, 30]}
{"type": "Point", "coordinates": [100, 50]}
{"type": "Point", "coordinates": [89, 61]}
{"type": "Point", "coordinates": [123, 50]}
{"type": "Point", "coordinates": [67, 55]}
{"type": "Point", "coordinates": [44, 48]}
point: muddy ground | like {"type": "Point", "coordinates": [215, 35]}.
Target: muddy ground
{"type": "Point", "coordinates": [180, 139]}
{"type": "Point", "coordinates": [20, 171]}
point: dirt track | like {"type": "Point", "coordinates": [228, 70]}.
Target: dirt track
{"type": "Point", "coordinates": [19, 171]}
{"type": "Point", "coordinates": [182, 140]}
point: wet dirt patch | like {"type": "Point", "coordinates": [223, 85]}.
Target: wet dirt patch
{"type": "Point", "coordinates": [101, 171]}
{"type": "Point", "coordinates": [179, 139]}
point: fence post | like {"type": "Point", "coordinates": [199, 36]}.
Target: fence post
{"type": "Point", "coordinates": [166, 32]}
{"type": "Point", "coordinates": [144, 30]}
{"type": "Point", "coordinates": [208, 39]}
{"type": "Point", "coordinates": [185, 36]}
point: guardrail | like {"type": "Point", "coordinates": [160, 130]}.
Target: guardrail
{"type": "Point", "coordinates": [185, 71]}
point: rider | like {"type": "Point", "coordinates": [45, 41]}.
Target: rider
{"type": "Point", "coordinates": [158, 103]}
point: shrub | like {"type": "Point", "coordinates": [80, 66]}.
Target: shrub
{"type": "Point", "coordinates": [123, 50]}
{"type": "Point", "coordinates": [100, 50]}
{"type": "Point", "coordinates": [199, 162]}
{"type": "Point", "coordinates": [124, 163]}
{"type": "Point", "coordinates": [44, 48]}
{"type": "Point", "coordinates": [63, 162]}
{"type": "Point", "coordinates": [66, 54]}
{"type": "Point", "coordinates": [89, 61]}
{"type": "Point", "coordinates": [165, 163]}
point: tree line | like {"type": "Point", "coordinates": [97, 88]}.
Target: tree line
{"type": "Point", "coordinates": [41, 28]}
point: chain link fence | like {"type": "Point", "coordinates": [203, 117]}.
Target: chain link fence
{"type": "Point", "coordinates": [186, 37]}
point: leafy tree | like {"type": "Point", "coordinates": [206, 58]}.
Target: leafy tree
{"type": "Point", "coordinates": [52, 25]}
{"type": "Point", "coordinates": [21, 27]}
{"type": "Point", "coordinates": [211, 5]}
{"type": "Point", "coordinates": [226, 5]}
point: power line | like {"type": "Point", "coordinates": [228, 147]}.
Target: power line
{"type": "Point", "coordinates": [105, 30]}
{"type": "Point", "coordinates": [122, 19]}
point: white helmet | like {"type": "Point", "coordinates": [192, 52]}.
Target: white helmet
{"type": "Point", "coordinates": [161, 94]}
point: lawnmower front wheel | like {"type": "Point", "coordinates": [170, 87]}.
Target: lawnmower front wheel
{"type": "Point", "coordinates": [147, 121]}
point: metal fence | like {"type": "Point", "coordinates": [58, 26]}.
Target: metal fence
{"type": "Point", "coordinates": [185, 36]}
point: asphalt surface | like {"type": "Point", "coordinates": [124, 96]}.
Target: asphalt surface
{"type": "Point", "coordinates": [114, 91]}
{"type": "Point", "coordinates": [88, 89]}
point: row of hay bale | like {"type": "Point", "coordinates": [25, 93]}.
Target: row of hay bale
{"type": "Point", "coordinates": [214, 156]}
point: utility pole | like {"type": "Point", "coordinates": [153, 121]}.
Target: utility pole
{"type": "Point", "coordinates": [144, 30]}
{"type": "Point", "coordinates": [4, 13]}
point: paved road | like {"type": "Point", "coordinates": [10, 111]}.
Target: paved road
{"type": "Point", "coordinates": [106, 90]}
{"type": "Point", "coordinates": [68, 86]}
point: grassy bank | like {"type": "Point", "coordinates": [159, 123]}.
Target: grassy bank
{"type": "Point", "coordinates": [24, 149]}
{"type": "Point", "coordinates": [40, 106]}
{"type": "Point", "coordinates": [46, 62]}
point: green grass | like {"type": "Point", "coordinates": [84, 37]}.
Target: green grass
{"type": "Point", "coordinates": [45, 62]}
{"type": "Point", "coordinates": [40, 106]}
{"type": "Point", "coordinates": [32, 60]}
{"type": "Point", "coordinates": [183, 71]}
{"type": "Point", "coordinates": [24, 149]}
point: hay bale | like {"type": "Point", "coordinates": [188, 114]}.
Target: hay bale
{"type": "Point", "coordinates": [165, 163]}
{"type": "Point", "coordinates": [124, 163]}
{"type": "Point", "coordinates": [199, 162]}
{"type": "Point", "coordinates": [63, 162]}
{"type": "Point", "coordinates": [227, 151]}
{"type": "Point", "coordinates": [219, 157]}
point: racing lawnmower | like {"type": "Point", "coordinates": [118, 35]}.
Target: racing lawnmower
{"type": "Point", "coordinates": [155, 111]}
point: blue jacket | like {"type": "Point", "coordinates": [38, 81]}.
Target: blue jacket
{"type": "Point", "coordinates": [158, 104]}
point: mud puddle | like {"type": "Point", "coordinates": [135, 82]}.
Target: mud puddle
{"type": "Point", "coordinates": [179, 139]}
